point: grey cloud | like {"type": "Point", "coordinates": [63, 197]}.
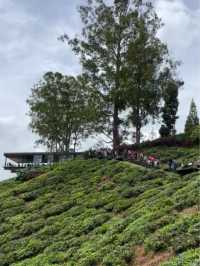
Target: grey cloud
{"type": "Point", "coordinates": [193, 4]}
{"type": "Point", "coordinates": [29, 47]}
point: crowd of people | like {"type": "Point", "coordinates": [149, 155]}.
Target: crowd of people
{"type": "Point", "coordinates": [136, 156]}
{"type": "Point", "coordinates": [125, 155]}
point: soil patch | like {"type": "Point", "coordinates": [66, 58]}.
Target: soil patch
{"type": "Point", "coordinates": [150, 259]}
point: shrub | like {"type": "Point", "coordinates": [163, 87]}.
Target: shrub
{"type": "Point", "coordinates": [191, 257]}
{"type": "Point", "coordinates": [25, 175]}
{"type": "Point", "coordinates": [65, 217]}
{"type": "Point", "coordinates": [132, 192]}
{"type": "Point", "coordinates": [30, 196]}
{"type": "Point", "coordinates": [180, 140]}
{"type": "Point", "coordinates": [122, 205]}
{"type": "Point", "coordinates": [112, 260]}
{"type": "Point", "coordinates": [178, 235]}
{"type": "Point", "coordinates": [57, 209]}
{"type": "Point", "coordinates": [29, 228]}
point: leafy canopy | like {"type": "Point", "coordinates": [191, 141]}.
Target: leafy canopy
{"type": "Point", "coordinates": [192, 119]}
{"type": "Point", "coordinates": [63, 109]}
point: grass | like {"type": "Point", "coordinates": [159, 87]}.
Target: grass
{"type": "Point", "coordinates": [96, 213]}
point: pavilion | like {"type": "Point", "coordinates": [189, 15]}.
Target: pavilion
{"type": "Point", "coordinates": [21, 160]}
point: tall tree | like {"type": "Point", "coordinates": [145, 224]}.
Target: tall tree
{"type": "Point", "coordinates": [123, 57]}
{"type": "Point", "coordinates": [106, 34]}
{"type": "Point", "coordinates": [192, 119]}
{"type": "Point", "coordinates": [62, 110]}
{"type": "Point", "coordinates": [146, 58]}
{"type": "Point", "coordinates": [170, 87]}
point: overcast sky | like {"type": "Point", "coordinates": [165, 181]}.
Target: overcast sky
{"type": "Point", "coordinates": [29, 47]}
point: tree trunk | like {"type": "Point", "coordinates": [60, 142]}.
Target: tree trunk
{"type": "Point", "coordinates": [138, 135]}
{"type": "Point", "coordinates": [138, 125]}
{"type": "Point", "coordinates": [75, 143]}
{"type": "Point", "coordinates": [116, 137]}
{"type": "Point", "coordinates": [116, 121]}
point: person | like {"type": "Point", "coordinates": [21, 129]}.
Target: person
{"type": "Point", "coordinates": [105, 154]}
{"type": "Point", "coordinates": [136, 155]}
{"type": "Point", "coordinates": [170, 164]}
{"type": "Point", "coordinates": [174, 165]}
{"type": "Point", "coordinates": [99, 155]}
{"type": "Point", "coordinates": [89, 155]}
{"type": "Point", "coordinates": [129, 155]}
{"type": "Point", "coordinates": [148, 162]}
{"type": "Point", "coordinates": [151, 160]}
{"type": "Point", "coordinates": [109, 154]}
{"type": "Point", "coordinates": [156, 163]}
{"type": "Point", "coordinates": [197, 164]}
{"type": "Point", "coordinates": [141, 156]}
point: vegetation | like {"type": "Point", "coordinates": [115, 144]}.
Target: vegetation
{"type": "Point", "coordinates": [128, 79]}
{"type": "Point", "coordinates": [192, 119]}
{"type": "Point", "coordinates": [125, 62]}
{"type": "Point", "coordinates": [170, 108]}
{"type": "Point", "coordinates": [195, 134]}
{"type": "Point", "coordinates": [191, 257]}
{"type": "Point", "coordinates": [180, 140]}
{"type": "Point", "coordinates": [97, 212]}
{"type": "Point", "coordinates": [63, 110]}
{"type": "Point", "coordinates": [181, 154]}
{"type": "Point", "coordinates": [104, 212]}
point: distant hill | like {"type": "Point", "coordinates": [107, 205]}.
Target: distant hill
{"type": "Point", "coordinates": [102, 213]}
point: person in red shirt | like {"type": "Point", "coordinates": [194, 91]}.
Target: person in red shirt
{"type": "Point", "coordinates": [151, 160]}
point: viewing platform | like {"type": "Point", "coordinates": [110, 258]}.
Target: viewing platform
{"type": "Point", "coordinates": [19, 161]}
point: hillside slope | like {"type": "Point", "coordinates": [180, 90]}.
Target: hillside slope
{"type": "Point", "coordinates": [181, 154]}
{"type": "Point", "coordinates": [100, 213]}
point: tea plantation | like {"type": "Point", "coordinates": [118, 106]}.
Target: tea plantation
{"type": "Point", "coordinates": [101, 213]}
{"type": "Point", "coordinates": [181, 154]}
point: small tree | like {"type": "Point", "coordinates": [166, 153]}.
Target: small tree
{"type": "Point", "coordinates": [169, 110]}
{"type": "Point", "coordinates": [195, 134]}
{"type": "Point", "coordinates": [192, 119]}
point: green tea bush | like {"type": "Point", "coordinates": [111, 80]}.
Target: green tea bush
{"type": "Point", "coordinates": [29, 228]}
{"type": "Point", "coordinates": [58, 209]}
{"type": "Point", "coordinates": [122, 205]}
{"type": "Point", "coordinates": [188, 258]}
{"type": "Point", "coordinates": [95, 213]}
{"type": "Point", "coordinates": [180, 235]}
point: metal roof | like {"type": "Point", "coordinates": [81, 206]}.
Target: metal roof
{"type": "Point", "coordinates": [18, 154]}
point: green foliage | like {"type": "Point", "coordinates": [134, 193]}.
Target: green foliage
{"type": "Point", "coordinates": [27, 174]}
{"type": "Point", "coordinates": [55, 105]}
{"type": "Point", "coordinates": [182, 155]}
{"type": "Point", "coordinates": [148, 82]}
{"type": "Point", "coordinates": [195, 134]}
{"type": "Point", "coordinates": [181, 235]}
{"type": "Point", "coordinates": [192, 119]}
{"type": "Point", "coordinates": [170, 108]}
{"type": "Point", "coordinates": [122, 56]}
{"type": "Point", "coordinates": [71, 215]}
{"type": "Point", "coordinates": [190, 257]}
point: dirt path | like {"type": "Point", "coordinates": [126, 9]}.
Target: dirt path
{"type": "Point", "coordinates": [150, 259]}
